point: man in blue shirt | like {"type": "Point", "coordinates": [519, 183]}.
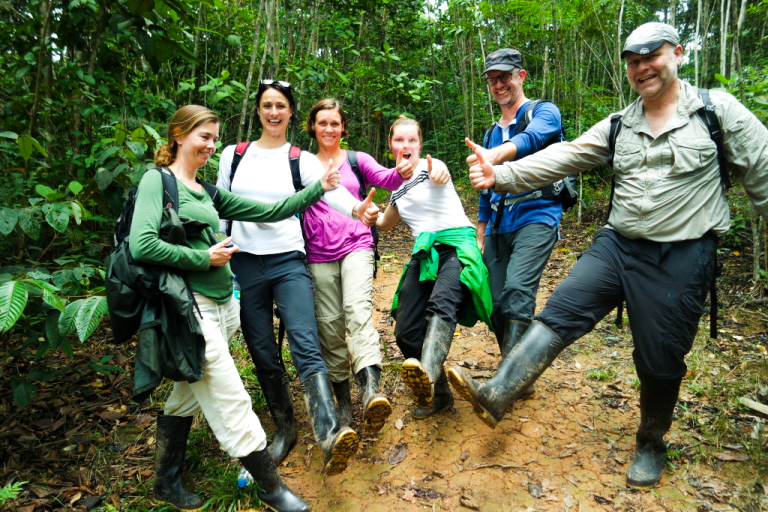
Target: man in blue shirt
{"type": "Point", "coordinates": [515, 232]}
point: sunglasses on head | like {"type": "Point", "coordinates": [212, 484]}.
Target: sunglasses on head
{"type": "Point", "coordinates": [281, 83]}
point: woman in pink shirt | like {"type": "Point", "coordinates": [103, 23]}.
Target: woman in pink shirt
{"type": "Point", "coordinates": [340, 253]}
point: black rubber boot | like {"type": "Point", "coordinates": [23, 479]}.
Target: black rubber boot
{"type": "Point", "coordinates": [343, 402]}
{"type": "Point", "coordinates": [420, 376]}
{"type": "Point", "coordinates": [513, 331]}
{"type": "Point", "coordinates": [273, 492]}
{"type": "Point", "coordinates": [443, 399]}
{"type": "Point", "coordinates": [277, 393]}
{"type": "Point", "coordinates": [533, 354]}
{"type": "Point", "coordinates": [339, 444]}
{"type": "Point", "coordinates": [651, 452]}
{"type": "Point", "coordinates": [170, 448]}
{"type": "Point", "coordinates": [376, 407]}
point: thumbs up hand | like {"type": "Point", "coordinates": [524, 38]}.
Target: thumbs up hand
{"type": "Point", "coordinates": [438, 173]}
{"type": "Point", "coordinates": [366, 210]}
{"type": "Point", "coordinates": [481, 174]}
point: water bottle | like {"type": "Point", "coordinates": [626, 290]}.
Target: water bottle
{"type": "Point", "coordinates": [244, 478]}
{"type": "Point", "coordinates": [235, 288]}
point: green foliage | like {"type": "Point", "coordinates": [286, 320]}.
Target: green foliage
{"type": "Point", "coordinates": [10, 492]}
{"type": "Point", "coordinates": [602, 374]}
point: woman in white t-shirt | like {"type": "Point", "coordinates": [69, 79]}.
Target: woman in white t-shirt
{"type": "Point", "coordinates": [445, 282]}
{"type": "Point", "coordinates": [271, 265]}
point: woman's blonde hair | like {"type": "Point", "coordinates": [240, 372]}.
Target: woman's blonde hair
{"type": "Point", "coordinates": [184, 120]}
{"type": "Point", "coordinates": [405, 121]}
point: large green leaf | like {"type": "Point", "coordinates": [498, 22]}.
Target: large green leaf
{"type": "Point", "coordinates": [27, 144]}
{"type": "Point", "coordinates": [67, 319]}
{"type": "Point", "coordinates": [30, 223]}
{"type": "Point", "coordinates": [13, 299]}
{"type": "Point", "coordinates": [89, 316]}
{"type": "Point", "coordinates": [23, 392]}
{"type": "Point", "coordinates": [51, 294]}
{"type": "Point", "coordinates": [8, 219]}
{"type": "Point", "coordinates": [57, 215]}
{"type": "Point", "coordinates": [9, 135]}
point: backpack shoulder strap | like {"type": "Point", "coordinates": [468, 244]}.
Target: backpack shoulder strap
{"type": "Point", "coordinates": [293, 161]}
{"type": "Point", "coordinates": [212, 191]}
{"type": "Point", "coordinates": [487, 136]}
{"type": "Point", "coordinates": [527, 116]}
{"type": "Point", "coordinates": [710, 120]}
{"type": "Point", "coordinates": [240, 150]}
{"type": "Point", "coordinates": [613, 134]}
{"type": "Point", "coordinates": [352, 161]}
{"type": "Point", "coordinates": [170, 189]}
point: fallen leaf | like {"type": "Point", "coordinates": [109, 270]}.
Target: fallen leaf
{"type": "Point", "coordinates": [398, 454]}
{"type": "Point", "coordinates": [468, 502]}
{"type": "Point", "coordinates": [732, 457]}
{"type": "Point", "coordinates": [409, 496]}
{"type": "Point", "coordinates": [464, 455]}
{"type": "Point", "coordinates": [399, 424]}
{"type": "Point", "coordinates": [535, 491]}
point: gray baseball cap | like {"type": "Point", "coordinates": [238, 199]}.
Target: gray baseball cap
{"type": "Point", "coordinates": [649, 37]}
{"type": "Point", "coordinates": [503, 59]}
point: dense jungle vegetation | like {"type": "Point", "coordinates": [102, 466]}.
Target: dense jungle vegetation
{"type": "Point", "coordinates": [86, 87]}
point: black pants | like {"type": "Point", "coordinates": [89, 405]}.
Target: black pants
{"type": "Point", "coordinates": [419, 301]}
{"type": "Point", "coordinates": [665, 286]}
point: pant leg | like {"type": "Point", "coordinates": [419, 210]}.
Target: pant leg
{"type": "Point", "coordinates": [411, 326]}
{"type": "Point", "coordinates": [357, 286]}
{"type": "Point", "coordinates": [592, 289]}
{"type": "Point", "coordinates": [666, 286]}
{"type": "Point", "coordinates": [220, 393]}
{"type": "Point", "coordinates": [292, 288]}
{"type": "Point", "coordinates": [254, 274]}
{"type": "Point", "coordinates": [496, 253]}
{"type": "Point", "coordinates": [329, 313]}
{"type": "Point", "coordinates": [449, 292]}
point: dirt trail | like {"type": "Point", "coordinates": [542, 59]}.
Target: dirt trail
{"type": "Point", "coordinates": [566, 449]}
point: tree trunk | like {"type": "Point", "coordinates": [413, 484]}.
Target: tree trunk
{"type": "Point", "coordinates": [697, 43]}
{"type": "Point", "coordinates": [725, 14]}
{"type": "Point", "coordinates": [42, 57]}
{"type": "Point", "coordinates": [249, 79]}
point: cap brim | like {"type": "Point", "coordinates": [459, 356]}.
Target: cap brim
{"type": "Point", "coordinates": [499, 67]}
{"type": "Point", "coordinates": [642, 49]}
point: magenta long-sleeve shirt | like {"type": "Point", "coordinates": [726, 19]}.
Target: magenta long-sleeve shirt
{"type": "Point", "coordinates": [330, 235]}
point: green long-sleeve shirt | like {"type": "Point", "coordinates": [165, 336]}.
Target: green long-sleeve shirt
{"type": "Point", "coordinates": [213, 282]}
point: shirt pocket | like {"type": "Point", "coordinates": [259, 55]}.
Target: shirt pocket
{"type": "Point", "coordinates": [627, 158]}
{"type": "Point", "coordinates": [693, 154]}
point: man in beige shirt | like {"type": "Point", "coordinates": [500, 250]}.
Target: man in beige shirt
{"type": "Point", "coordinates": [658, 250]}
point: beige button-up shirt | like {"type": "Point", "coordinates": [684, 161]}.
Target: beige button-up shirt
{"type": "Point", "coordinates": [668, 187]}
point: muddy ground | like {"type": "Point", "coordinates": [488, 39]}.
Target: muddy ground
{"type": "Point", "coordinates": [83, 445]}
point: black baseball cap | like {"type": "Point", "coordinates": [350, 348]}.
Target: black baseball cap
{"type": "Point", "coordinates": [504, 59]}
{"type": "Point", "coordinates": [649, 37]}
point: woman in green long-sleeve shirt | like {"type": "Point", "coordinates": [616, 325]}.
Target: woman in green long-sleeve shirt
{"type": "Point", "coordinates": [192, 135]}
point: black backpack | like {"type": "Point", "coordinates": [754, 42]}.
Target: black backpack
{"type": "Point", "coordinates": [128, 283]}
{"type": "Point", "coordinates": [565, 191]}
{"type": "Point", "coordinates": [352, 160]}
{"type": "Point", "coordinates": [708, 117]}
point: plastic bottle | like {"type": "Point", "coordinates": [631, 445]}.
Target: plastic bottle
{"type": "Point", "coordinates": [244, 479]}
{"type": "Point", "coordinates": [235, 288]}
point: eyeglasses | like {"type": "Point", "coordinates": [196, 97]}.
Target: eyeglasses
{"type": "Point", "coordinates": [269, 81]}
{"type": "Point", "coordinates": [505, 78]}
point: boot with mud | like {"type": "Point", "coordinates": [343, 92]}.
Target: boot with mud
{"type": "Point", "coordinates": [527, 360]}
{"type": "Point", "coordinates": [376, 407]}
{"type": "Point", "coordinates": [656, 412]}
{"type": "Point", "coordinates": [420, 376]}
{"type": "Point", "coordinates": [170, 448]}
{"type": "Point", "coordinates": [513, 331]}
{"type": "Point", "coordinates": [273, 493]}
{"type": "Point", "coordinates": [443, 399]}
{"type": "Point", "coordinates": [343, 402]}
{"type": "Point", "coordinates": [277, 392]}
{"type": "Point", "coordinates": [339, 444]}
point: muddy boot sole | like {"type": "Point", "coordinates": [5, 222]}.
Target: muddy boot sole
{"type": "Point", "coordinates": [344, 448]}
{"type": "Point", "coordinates": [415, 377]}
{"type": "Point", "coordinates": [464, 389]}
{"type": "Point", "coordinates": [376, 413]}
{"type": "Point", "coordinates": [421, 414]}
{"type": "Point", "coordinates": [528, 394]}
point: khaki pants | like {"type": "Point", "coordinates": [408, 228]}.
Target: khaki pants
{"type": "Point", "coordinates": [220, 394]}
{"type": "Point", "coordinates": [343, 305]}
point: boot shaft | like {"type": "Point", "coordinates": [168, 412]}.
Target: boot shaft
{"type": "Point", "coordinates": [437, 344]}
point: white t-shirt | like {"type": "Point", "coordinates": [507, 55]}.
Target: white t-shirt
{"type": "Point", "coordinates": [425, 206]}
{"type": "Point", "coordinates": [265, 175]}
